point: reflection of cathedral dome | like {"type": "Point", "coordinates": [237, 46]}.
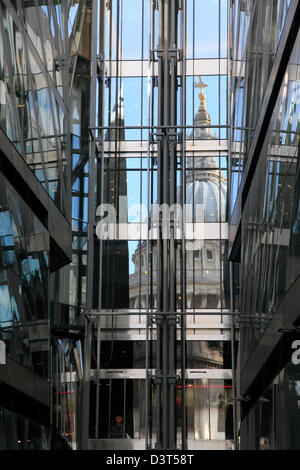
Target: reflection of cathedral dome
{"type": "Point", "coordinates": [207, 191]}
{"type": "Point", "coordinates": [204, 186]}
{"type": "Point", "coordinates": [202, 115]}
{"type": "Point", "coordinates": [203, 183]}
{"type": "Point", "coordinates": [202, 118]}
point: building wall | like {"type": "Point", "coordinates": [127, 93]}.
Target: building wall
{"type": "Point", "coordinates": [46, 107]}
{"type": "Point", "coordinates": [38, 45]}
{"type": "Point", "coordinates": [264, 191]}
{"type": "Point", "coordinates": [123, 273]}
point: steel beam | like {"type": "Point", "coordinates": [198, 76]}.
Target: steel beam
{"type": "Point", "coordinates": [90, 230]}
{"type": "Point", "coordinates": [165, 374]}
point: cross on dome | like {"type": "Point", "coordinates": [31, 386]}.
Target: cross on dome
{"type": "Point", "coordinates": [202, 96]}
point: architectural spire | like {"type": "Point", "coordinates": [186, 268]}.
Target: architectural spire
{"type": "Point", "coordinates": [202, 117]}
{"type": "Point", "coordinates": [202, 97]}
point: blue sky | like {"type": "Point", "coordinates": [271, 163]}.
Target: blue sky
{"type": "Point", "coordinates": [206, 32]}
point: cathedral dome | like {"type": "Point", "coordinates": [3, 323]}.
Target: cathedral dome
{"type": "Point", "coordinates": [202, 116]}
{"type": "Point", "coordinates": [204, 186]}
{"type": "Point", "coordinates": [208, 192]}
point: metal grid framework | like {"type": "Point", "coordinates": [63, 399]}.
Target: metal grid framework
{"type": "Point", "coordinates": [35, 91]}
{"type": "Point", "coordinates": [165, 145]}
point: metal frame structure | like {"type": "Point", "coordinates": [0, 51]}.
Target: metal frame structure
{"type": "Point", "coordinates": [170, 141]}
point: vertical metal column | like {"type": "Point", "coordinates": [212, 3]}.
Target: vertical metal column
{"type": "Point", "coordinates": [90, 231]}
{"type": "Point", "coordinates": [92, 163]}
{"type": "Point", "coordinates": [86, 383]}
{"type": "Point", "coordinates": [182, 202]}
{"type": "Point", "coordinates": [172, 200]}
{"type": "Point", "coordinates": [101, 95]}
{"type": "Point", "coordinates": [159, 245]}
{"type": "Point", "coordinates": [232, 330]}
{"type": "Point", "coordinates": [149, 268]}
{"type": "Point", "coordinates": [165, 374]}
{"type": "Point", "coordinates": [231, 280]}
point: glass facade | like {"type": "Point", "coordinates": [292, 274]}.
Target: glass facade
{"type": "Point", "coordinates": [120, 111]}
{"type": "Point", "coordinates": [277, 410]}
{"type": "Point", "coordinates": [269, 235]}
{"type": "Point", "coordinates": [253, 52]}
{"type": "Point", "coordinates": [159, 126]}
{"type": "Point", "coordinates": [263, 212]}
{"type": "Point", "coordinates": [33, 112]}
{"type": "Point", "coordinates": [149, 224]}
{"type": "Point", "coordinates": [17, 433]}
{"type": "Point", "coordinates": [25, 245]}
{"type": "Point", "coordinates": [40, 48]}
